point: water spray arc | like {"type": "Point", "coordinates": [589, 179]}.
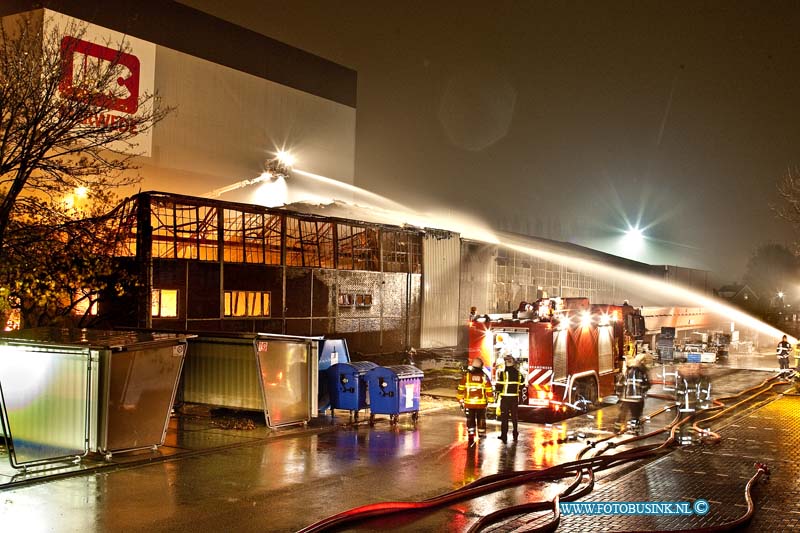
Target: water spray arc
{"type": "Point", "coordinates": [643, 283]}
{"type": "Point", "coordinates": [385, 210]}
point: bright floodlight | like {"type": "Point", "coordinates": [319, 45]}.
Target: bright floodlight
{"type": "Point", "coordinates": [82, 191]}
{"type": "Point", "coordinates": [780, 294]}
{"type": "Point", "coordinates": [285, 158]}
{"type": "Point", "coordinates": [634, 234]}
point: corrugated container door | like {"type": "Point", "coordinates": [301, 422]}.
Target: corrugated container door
{"type": "Point", "coordinates": [441, 256]}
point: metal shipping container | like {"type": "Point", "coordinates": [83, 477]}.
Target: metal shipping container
{"type": "Point", "coordinates": [66, 392]}
{"type": "Point", "coordinates": [45, 393]}
{"type": "Point", "coordinates": [288, 372]}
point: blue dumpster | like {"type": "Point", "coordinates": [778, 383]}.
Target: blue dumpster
{"type": "Point", "coordinates": [394, 390]}
{"type": "Point", "coordinates": [331, 352]}
{"type": "Point", "coordinates": [347, 387]}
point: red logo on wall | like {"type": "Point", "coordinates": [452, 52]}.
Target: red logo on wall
{"type": "Point", "coordinates": [77, 52]}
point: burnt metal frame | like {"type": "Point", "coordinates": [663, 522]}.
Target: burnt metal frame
{"type": "Point", "coordinates": [361, 242]}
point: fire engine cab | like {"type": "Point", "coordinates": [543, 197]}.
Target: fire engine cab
{"type": "Point", "coordinates": [568, 349]}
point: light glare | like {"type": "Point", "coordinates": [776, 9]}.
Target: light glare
{"type": "Point", "coordinates": [285, 158]}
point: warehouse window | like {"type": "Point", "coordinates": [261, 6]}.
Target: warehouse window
{"type": "Point", "coordinates": [247, 303]}
{"type": "Point", "coordinates": [309, 243]}
{"type": "Point", "coordinates": [357, 248]}
{"type": "Point", "coordinates": [184, 231]}
{"type": "Point", "coordinates": [86, 304]}
{"type": "Point", "coordinates": [165, 303]}
{"type": "Point", "coordinates": [363, 300]}
{"type": "Point", "coordinates": [251, 237]}
{"type": "Point", "coordinates": [351, 299]}
{"type": "Point", "coordinates": [401, 252]}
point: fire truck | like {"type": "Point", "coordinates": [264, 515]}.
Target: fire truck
{"type": "Point", "coordinates": [568, 349]}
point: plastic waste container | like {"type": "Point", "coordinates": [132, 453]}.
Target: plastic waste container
{"type": "Point", "coordinates": [331, 352]}
{"type": "Point", "coordinates": [394, 390]}
{"type": "Point", "coordinates": [347, 386]}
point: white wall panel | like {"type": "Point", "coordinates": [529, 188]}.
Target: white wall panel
{"type": "Point", "coordinates": [441, 275]}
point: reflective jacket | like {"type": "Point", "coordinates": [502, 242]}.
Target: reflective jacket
{"type": "Point", "coordinates": [636, 384]}
{"type": "Point", "coordinates": [509, 382]}
{"type": "Point", "coordinates": [475, 390]}
{"type": "Point", "coordinates": [784, 348]}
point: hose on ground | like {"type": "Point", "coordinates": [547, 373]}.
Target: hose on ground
{"type": "Point", "coordinates": [578, 467]}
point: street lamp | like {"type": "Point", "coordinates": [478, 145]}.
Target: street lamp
{"type": "Point", "coordinates": [633, 241]}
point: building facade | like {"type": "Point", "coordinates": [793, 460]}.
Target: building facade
{"type": "Point", "coordinates": [238, 97]}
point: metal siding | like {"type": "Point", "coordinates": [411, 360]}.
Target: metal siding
{"type": "Point", "coordinates": [222, 372]}
{"type": "Point", "coordinates": [46, 401]}
{"type": "Point", "coordinates": [441, 275]}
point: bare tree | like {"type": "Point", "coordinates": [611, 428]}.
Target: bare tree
{"type": "Point", "coordinates": [50, 138]}
{"type": "Point", "coordinates": [56, 145]}
{"type": "Point", "coordinates": [58, 268]}
{"type": "Point", "coordinates": [789, 193]}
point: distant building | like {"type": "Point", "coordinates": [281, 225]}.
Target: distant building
{"type": "Point", "coordinates": [693, 278]}
{"type": "Point", "coordinates": [239, 96]}
{"type": "Point", "coordinates": [738, 294]}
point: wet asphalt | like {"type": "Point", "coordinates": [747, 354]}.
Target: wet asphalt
{"type": "Point", "coordinates": [288, 482]}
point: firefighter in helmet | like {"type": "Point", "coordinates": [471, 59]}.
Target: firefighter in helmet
{"type": "Point", "coordinates": [636, 385]}
{"type": "Point", "coordinates": [508, 386]}
{"type": "Point", "coordinates": [783, 353]}
{"type": "Point", "coordinates": [475, 393]}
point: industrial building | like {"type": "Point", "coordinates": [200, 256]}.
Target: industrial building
{"type": "Point", "coordinates": [217, 266]}
{"type": "Point", "coordinates": [212, 264]}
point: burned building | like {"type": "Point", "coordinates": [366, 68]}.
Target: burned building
{"type": "Point", "coordinates": [217, 266]}
{"type": "Point", "coordinates": [210, 265]}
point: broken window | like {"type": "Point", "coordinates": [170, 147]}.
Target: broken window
{"type": "Point", "coordinates": [401, 251]}
{"type": "Point", "coordinates": [183, 231]}
{"type": "Point", "coordinates": [125, 229]}
{"type": "Point", "coordinates": [309, 243]}
{"type": "Point", "coordinates": [251, 237]}
{"type": "Point", "coordinates": [357, 248]}
{"type": "Point", "coordinates": [247, 303]}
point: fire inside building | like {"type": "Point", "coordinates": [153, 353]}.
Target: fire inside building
{"type": "Point", "coordinates": [209, 253]}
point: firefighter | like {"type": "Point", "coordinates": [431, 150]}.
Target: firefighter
{"type": "Point", "coordinates": [636, 385]}
{"type": "Point", "coordinates": [508, 386]}
{"type": "Point", "coordinates": [783, 353]}
{"type": "Point", "coordinates": [797, 355]}
{"type": "Point", "coordinates": [475, 393]}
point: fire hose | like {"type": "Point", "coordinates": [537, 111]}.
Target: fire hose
{"type": "Point", "coordinates": [579, 467]}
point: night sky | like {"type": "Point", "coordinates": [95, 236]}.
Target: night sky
{"type": "Point", "coordinates": [564, 119]}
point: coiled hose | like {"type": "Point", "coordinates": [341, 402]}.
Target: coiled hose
{"type": "Point", "coordinates": [579, 468]}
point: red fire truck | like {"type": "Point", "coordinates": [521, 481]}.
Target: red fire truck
{"type": "Point", "coordinates": [568, 348]}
